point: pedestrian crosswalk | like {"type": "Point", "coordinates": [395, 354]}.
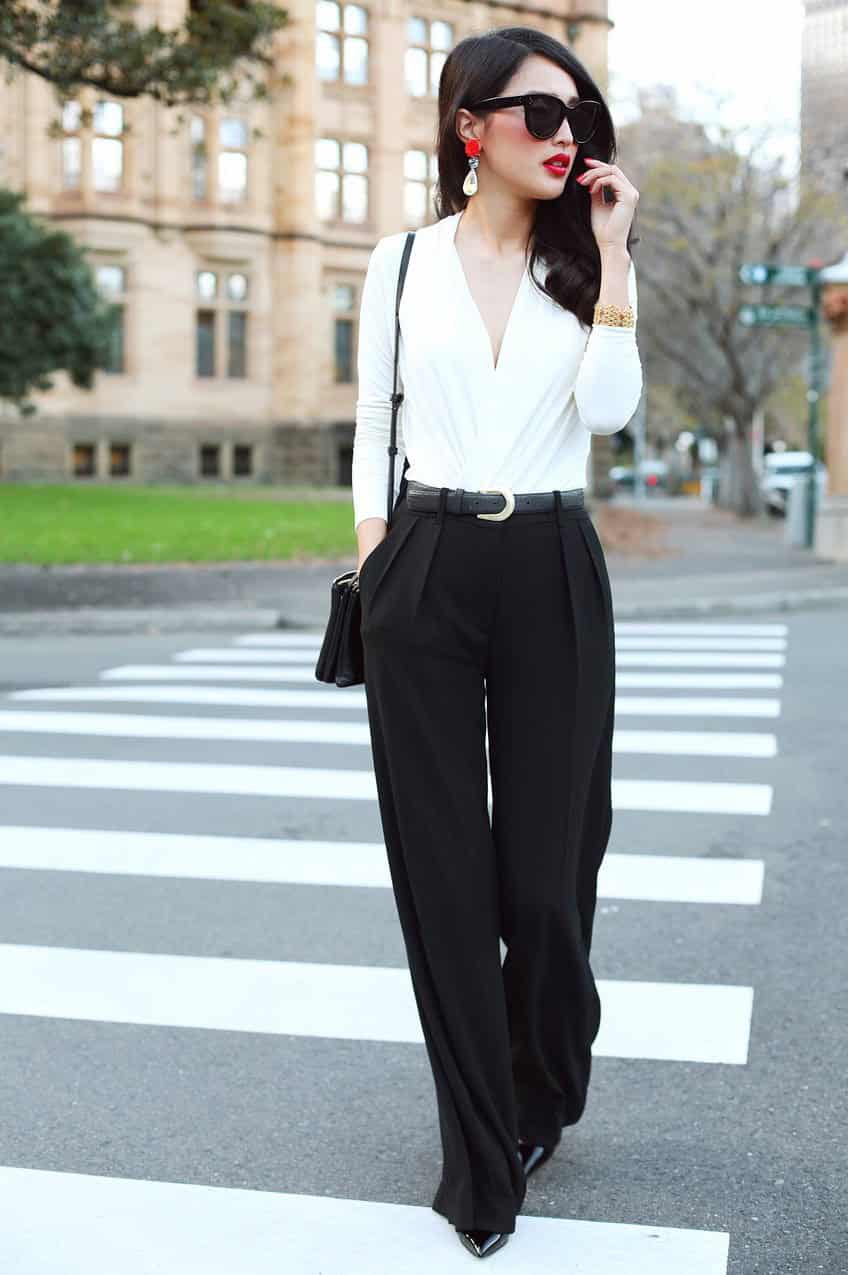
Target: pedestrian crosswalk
{"type": "Point", "coordinates": [675, 1021]}
{"type": "Point", "coordinates": [246, 697]}
{"type": "Point", "coordinates": [138, 1227]}
{"type": "Point", "coordinates": [691, 743]}
{"type": "Point", "coordinates": [658, 878]}
{"type": "Point", "coordinates": [204, 713]}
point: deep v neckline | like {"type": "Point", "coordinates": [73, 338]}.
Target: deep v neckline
{"type": "Point", "coordinates": [494, 366]}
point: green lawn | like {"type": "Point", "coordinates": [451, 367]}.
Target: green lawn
{"type": "Point", "coordinates": [47, 523]}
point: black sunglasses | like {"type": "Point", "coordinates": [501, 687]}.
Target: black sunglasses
{"type": "Point", "coordinates": [544, 113]}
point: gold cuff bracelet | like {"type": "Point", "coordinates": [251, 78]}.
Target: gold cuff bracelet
{"type": "Point", "coordinates": [615, 316]}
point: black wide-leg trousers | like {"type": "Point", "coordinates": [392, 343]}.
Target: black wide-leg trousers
{"type": "Point", "coordinates": [479, 632]}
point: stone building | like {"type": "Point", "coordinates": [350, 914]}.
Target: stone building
{"type": "Point", "coordinates": [235, 240]}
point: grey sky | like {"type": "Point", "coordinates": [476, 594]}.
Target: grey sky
{"type": "Point", "coordinates": [748, 51]}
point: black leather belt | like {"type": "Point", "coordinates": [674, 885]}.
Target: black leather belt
{"type": "Point", "coordinates": [495, 503]}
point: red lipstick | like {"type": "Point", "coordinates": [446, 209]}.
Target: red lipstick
{"type": "Point", "coordinates": [558, 163]}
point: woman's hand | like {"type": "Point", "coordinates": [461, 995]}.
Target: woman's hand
{"type": "Point", "coordinates": [611, 221]}
{"type": "Point", "coordinates": [365, 558]}
{"type": "Point", "coordinates": [370, 533]}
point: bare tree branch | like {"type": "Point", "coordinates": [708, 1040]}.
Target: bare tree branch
{"type": "Point", "coordinates": [711, 201]}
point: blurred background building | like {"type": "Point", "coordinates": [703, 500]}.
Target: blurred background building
{"type": "Point", "coordinates": [235, 240]}
{"type": "Point", "coordinates": [824, 90]}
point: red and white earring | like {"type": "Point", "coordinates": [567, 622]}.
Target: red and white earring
{"type": "Point", "coordinates": [472, 150]}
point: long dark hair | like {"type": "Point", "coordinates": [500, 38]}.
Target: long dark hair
{"type": "Point", "coordinates": [480, 66]}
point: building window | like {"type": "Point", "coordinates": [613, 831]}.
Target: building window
{"type": "Point", "coordinates": [428, 45]}
{"type": "Point", "coordinates": [344, 350]}
{"type": "Point", "coordinates": [210, 460]}
{"type": "Point", "coordinates": [119, 460]}
{"type": "Point", "coordinates": [341, 180]}
{"type": "Point", "coordinates": [343, 333]}
{"type": "Point", "coordinates": [112, 282]}
{"type": "Point", "coordinates": [421, 173]}
{"type": "Point", "coordinates": [237, 343]}
{"type": "Point", "coordinates": [221, 329]}
{"type": "Point", "coordinates": [341, 48]}
{"type": "Point", "coordinates": [84, 460]}
{"type": "Point", "coordinates": [344, 465]}
{"type": "Point", "coordinates": [232, 160]}
{"type": "Point", "coordinates": [107, 147]}
{"type": "Point", "coordinates": [71, 146]}
{"type": "Point", "coordinates": [242, 460]}
{"type": "Point", "coordinates": [205, 342]}
{"type": "Point", "coordinates": [199, 158]}
{"type": "Point", "coordinates": [343, 297]}
{"type": "Point", "coordinates": [93, 146]}
{"type": "Point", "coordinates": [218, 151]}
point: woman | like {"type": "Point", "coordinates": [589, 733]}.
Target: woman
{"type": "Point", "coordinates": [487, 618]}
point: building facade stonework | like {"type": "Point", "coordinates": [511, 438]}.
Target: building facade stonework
{"type": "Point", "coordinates": [235, 241]}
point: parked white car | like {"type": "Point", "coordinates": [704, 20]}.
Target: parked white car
{"type": "Point", "coordinates": [781, 471]}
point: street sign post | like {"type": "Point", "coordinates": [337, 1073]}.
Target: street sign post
{"type": "Point", "coordinates": [793, 316]}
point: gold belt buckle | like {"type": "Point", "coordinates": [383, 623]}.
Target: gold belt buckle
{"type": "Point", "coordinates": [508, 507]}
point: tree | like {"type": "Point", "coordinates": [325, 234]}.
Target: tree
{"type": "Point", "coordinates": [102, 44]}
{"type": "Point", "coordinates": [710, 202]}
{"type": "Point", "coordinates": [52, 317]}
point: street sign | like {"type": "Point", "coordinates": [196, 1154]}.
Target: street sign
{"type": "Point", "coordinates": [776, 316]}
{"type": "Point", "coordinates": [786, 276]}
{"type": "Point", "coordinates": [793, 316]}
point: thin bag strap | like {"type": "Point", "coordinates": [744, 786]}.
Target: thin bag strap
{"type": "Point", "coordinates": [397, 398]}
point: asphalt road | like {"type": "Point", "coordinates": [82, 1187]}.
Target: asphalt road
{"type": "Point", "coordinates": [208, 1053]}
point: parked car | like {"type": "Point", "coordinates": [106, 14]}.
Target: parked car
{"type": "Point", "coordinates": [621, 476]}
{"type": "Point", "coordinates": [781, 470]}
{"type": "Point", "coordinates": [654, 475]}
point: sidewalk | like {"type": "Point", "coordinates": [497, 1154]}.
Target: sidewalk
{"type": "Point", "coordinates": [700, 561]}
{"type": "Point", "coordinates": [710, 562]}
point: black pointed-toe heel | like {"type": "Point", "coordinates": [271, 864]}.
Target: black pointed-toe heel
{"type": "Point", "coordinates": [482, 1243]}
{"type": "Point", "coordinates": [533, 1155]}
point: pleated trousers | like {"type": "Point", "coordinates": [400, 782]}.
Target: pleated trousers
{"type": "Point", "coordinates": [490, 670]}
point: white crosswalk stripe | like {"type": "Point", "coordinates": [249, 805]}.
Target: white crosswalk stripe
{"type": "Point", "coordinates": [306, 673]}
{"type": "Point", "coordinates": [623, 628]}
{"type": "Point", "coordinates": [656, 877]}
{"type": "Point", "coordinates": [637, 642]}
{"type": "Point", "coordinates": [649, 656]}
{"type": "Point", "coordinates": [668, 795]}
{"type": "Point", "coordinates": [682, 1022]}
{"type": "Point", "coordinates": [700, 643]}
{"type": "Point", "coordinates": [144, 1224]}
{"type": "Point", "coordinates": [679, 743]}
{"type": "Point", "coordinates": [245, 697]}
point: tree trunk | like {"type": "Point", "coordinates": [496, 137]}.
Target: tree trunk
{"type": "Point", "coordinates": [739, 487]}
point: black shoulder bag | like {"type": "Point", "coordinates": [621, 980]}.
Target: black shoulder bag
{"type": "Point", "coordinates": [341, 658]}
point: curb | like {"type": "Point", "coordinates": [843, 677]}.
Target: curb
{"type": "Point", "coordinates": [155, 620]}
{"type": "Point", "coordinates": [138, 621]}
{"type": "Point", "coordinates": [794, 600]}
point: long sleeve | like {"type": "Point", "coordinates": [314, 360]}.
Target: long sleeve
{"type": "Point", "coordinates": [609, 381]}
{"type": "Point", "coordinates": [375, 364]}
